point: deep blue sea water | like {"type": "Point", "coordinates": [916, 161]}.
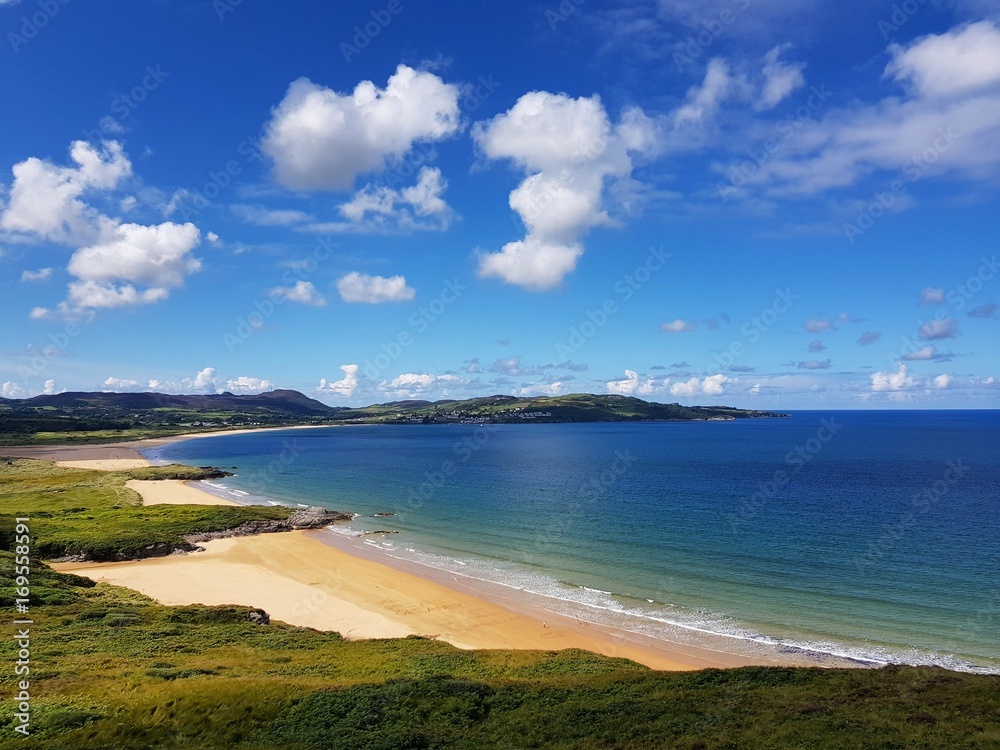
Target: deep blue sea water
{"type": "Point", "coordinates": [869, 534]}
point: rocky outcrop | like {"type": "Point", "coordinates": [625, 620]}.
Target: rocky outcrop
{"type": "Point", "coordinates": [159, 549]}
{"type": "Point", "coordinates": [304, 518]}
{"type": "Point", "coordinates": [259, 617]}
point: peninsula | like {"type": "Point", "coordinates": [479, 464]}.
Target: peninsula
{"type": "Point", "coordinates": [103, 417]}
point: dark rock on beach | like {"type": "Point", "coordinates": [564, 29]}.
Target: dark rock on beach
{"type": "Point", "coordinates": [160, 549]}
{"type": "Point", "coordinates": [305, 518]}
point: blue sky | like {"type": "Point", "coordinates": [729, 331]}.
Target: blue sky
{"type": "Point", "coordinates": [766, 204]}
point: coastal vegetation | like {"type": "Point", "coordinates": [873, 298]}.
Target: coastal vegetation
{"type": "Point", "coordinates": [575, 407]}
{"type": "Point", "coordinates": [92, 515]}
{"type": "Point", "coordinates": [111, 668]}
{"type": "Point", "coordinates": [107, 417]}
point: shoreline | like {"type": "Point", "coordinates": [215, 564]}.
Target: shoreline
{"type": "Point", "coordinates": [122, 455]}
{"type": "Point", "coordinates": [696, 645]}
{"type": "Point", "coordinates": [298, 580]}
{"type": "Point", "coordinates": [323, 580]}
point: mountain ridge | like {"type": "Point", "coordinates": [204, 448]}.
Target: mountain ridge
{"type": "Point", "coordinates": [159, 413]}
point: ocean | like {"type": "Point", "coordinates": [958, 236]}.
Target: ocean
{"type": "Point", "coordinates": [870, 535]}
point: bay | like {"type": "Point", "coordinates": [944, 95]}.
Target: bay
{"type": "Point", "coordinates": [866, 534]}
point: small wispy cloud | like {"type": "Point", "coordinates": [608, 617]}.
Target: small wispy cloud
{"type": "Point", "coordinates": [939, 329]}
{"type": "Point", "coordinates": [930, 295]}
{"type": "Point", "coordinates": [677, 326]}
{"type": "Point", "coordinates": [41, 274]}
{"type": "Point", "coordinates": [815, 364]}
{"type": "Point", "coordinates": [358, 287]}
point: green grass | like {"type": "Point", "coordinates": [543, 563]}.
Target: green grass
{"type": "Point", "coordinates": [113, 670]}
{"type": "Point", "coordinates": [175, 471]}
{"type": "Point", "coordinates": [93, 513]}
{"type": "Point", "coordinates": [131, 673]}
{"type": "Point", "coordinates": [83, 437]}
{"type": "Point", "coordinates": [743, 708]}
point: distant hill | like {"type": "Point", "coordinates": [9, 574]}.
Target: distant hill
{"type": "Point", "coordinates": [576, 407]}
{"type": "Point", "coordinates": [117, 416]}
{"type": "Point", "coordinates": [109, 416]}
{"type": "Point", "coordinates": [285, 401]}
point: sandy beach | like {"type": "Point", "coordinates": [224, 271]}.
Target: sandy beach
{"type": "Point", "coordinates": [103, 456]}
{"type": "Point", "coordinates": [173, 492]}
{"type": "Point", "coordinates": [312, 579]}
{"type": "Point", "coordinates": [299, 580]}
{"type": "Point", "coordinates": [106, 457]}
{"type": "Point", "coordinates": [120, 456]}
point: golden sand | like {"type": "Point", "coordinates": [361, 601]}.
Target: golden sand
{"type": "Point", "coordinates": [300, 580]}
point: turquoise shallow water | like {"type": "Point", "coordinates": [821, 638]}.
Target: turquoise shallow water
{"type": "Point", "coordinates": [867, 534]}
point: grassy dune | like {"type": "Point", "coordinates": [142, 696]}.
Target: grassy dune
{"type": "Point", "coordinates": [113, 669]}
{"type": "Point", "coordinates": [93, 513]}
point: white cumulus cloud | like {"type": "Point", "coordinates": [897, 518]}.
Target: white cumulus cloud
{"type": "Point", "coordinates": [900, 380]}
{"type": "Point", "coordinates": [11, 389]}
{"type": "Point", "coordinates": [712, 385]}
{"type": "Point", "coordinates": [247, 384]}
{"type": "Point", "coordinates": [357, 287]}
{"type": "Point", "coordinates": [344, 387]}
{"type": "Point", "coordinates": [572, 153]}
{"type": "Point", "coordinates": [414, 384]}
{"type": "Point", "coordinates": [110, 274]}
{"type": "Point", "coordinates": [555, 388]}
{"type": "Point", "coordinates": [45, 199]}
{"type": "Point", "coordinates": [943, 382]}
{"type": "Point", "coordinates": [120, 384]}
{"type": "Point", "coordinates": [119, 264]}
{"type": "Point", "coordinates": [320, 139]}
{"type": "Point", "coordinates": [205, 380]}
{"type": "Point", "coordinates": [302, 291]}
{"type": "Point", "coordinates": [626, 386]}
{"type": "Point", "coordinates": [384, 209]}
{"type": "Point", "coordinates": [632, 384]}
{"type": "Point", "coordinates": [961, 61]}
{"type": "Point", "coordinates": [155, 256]}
